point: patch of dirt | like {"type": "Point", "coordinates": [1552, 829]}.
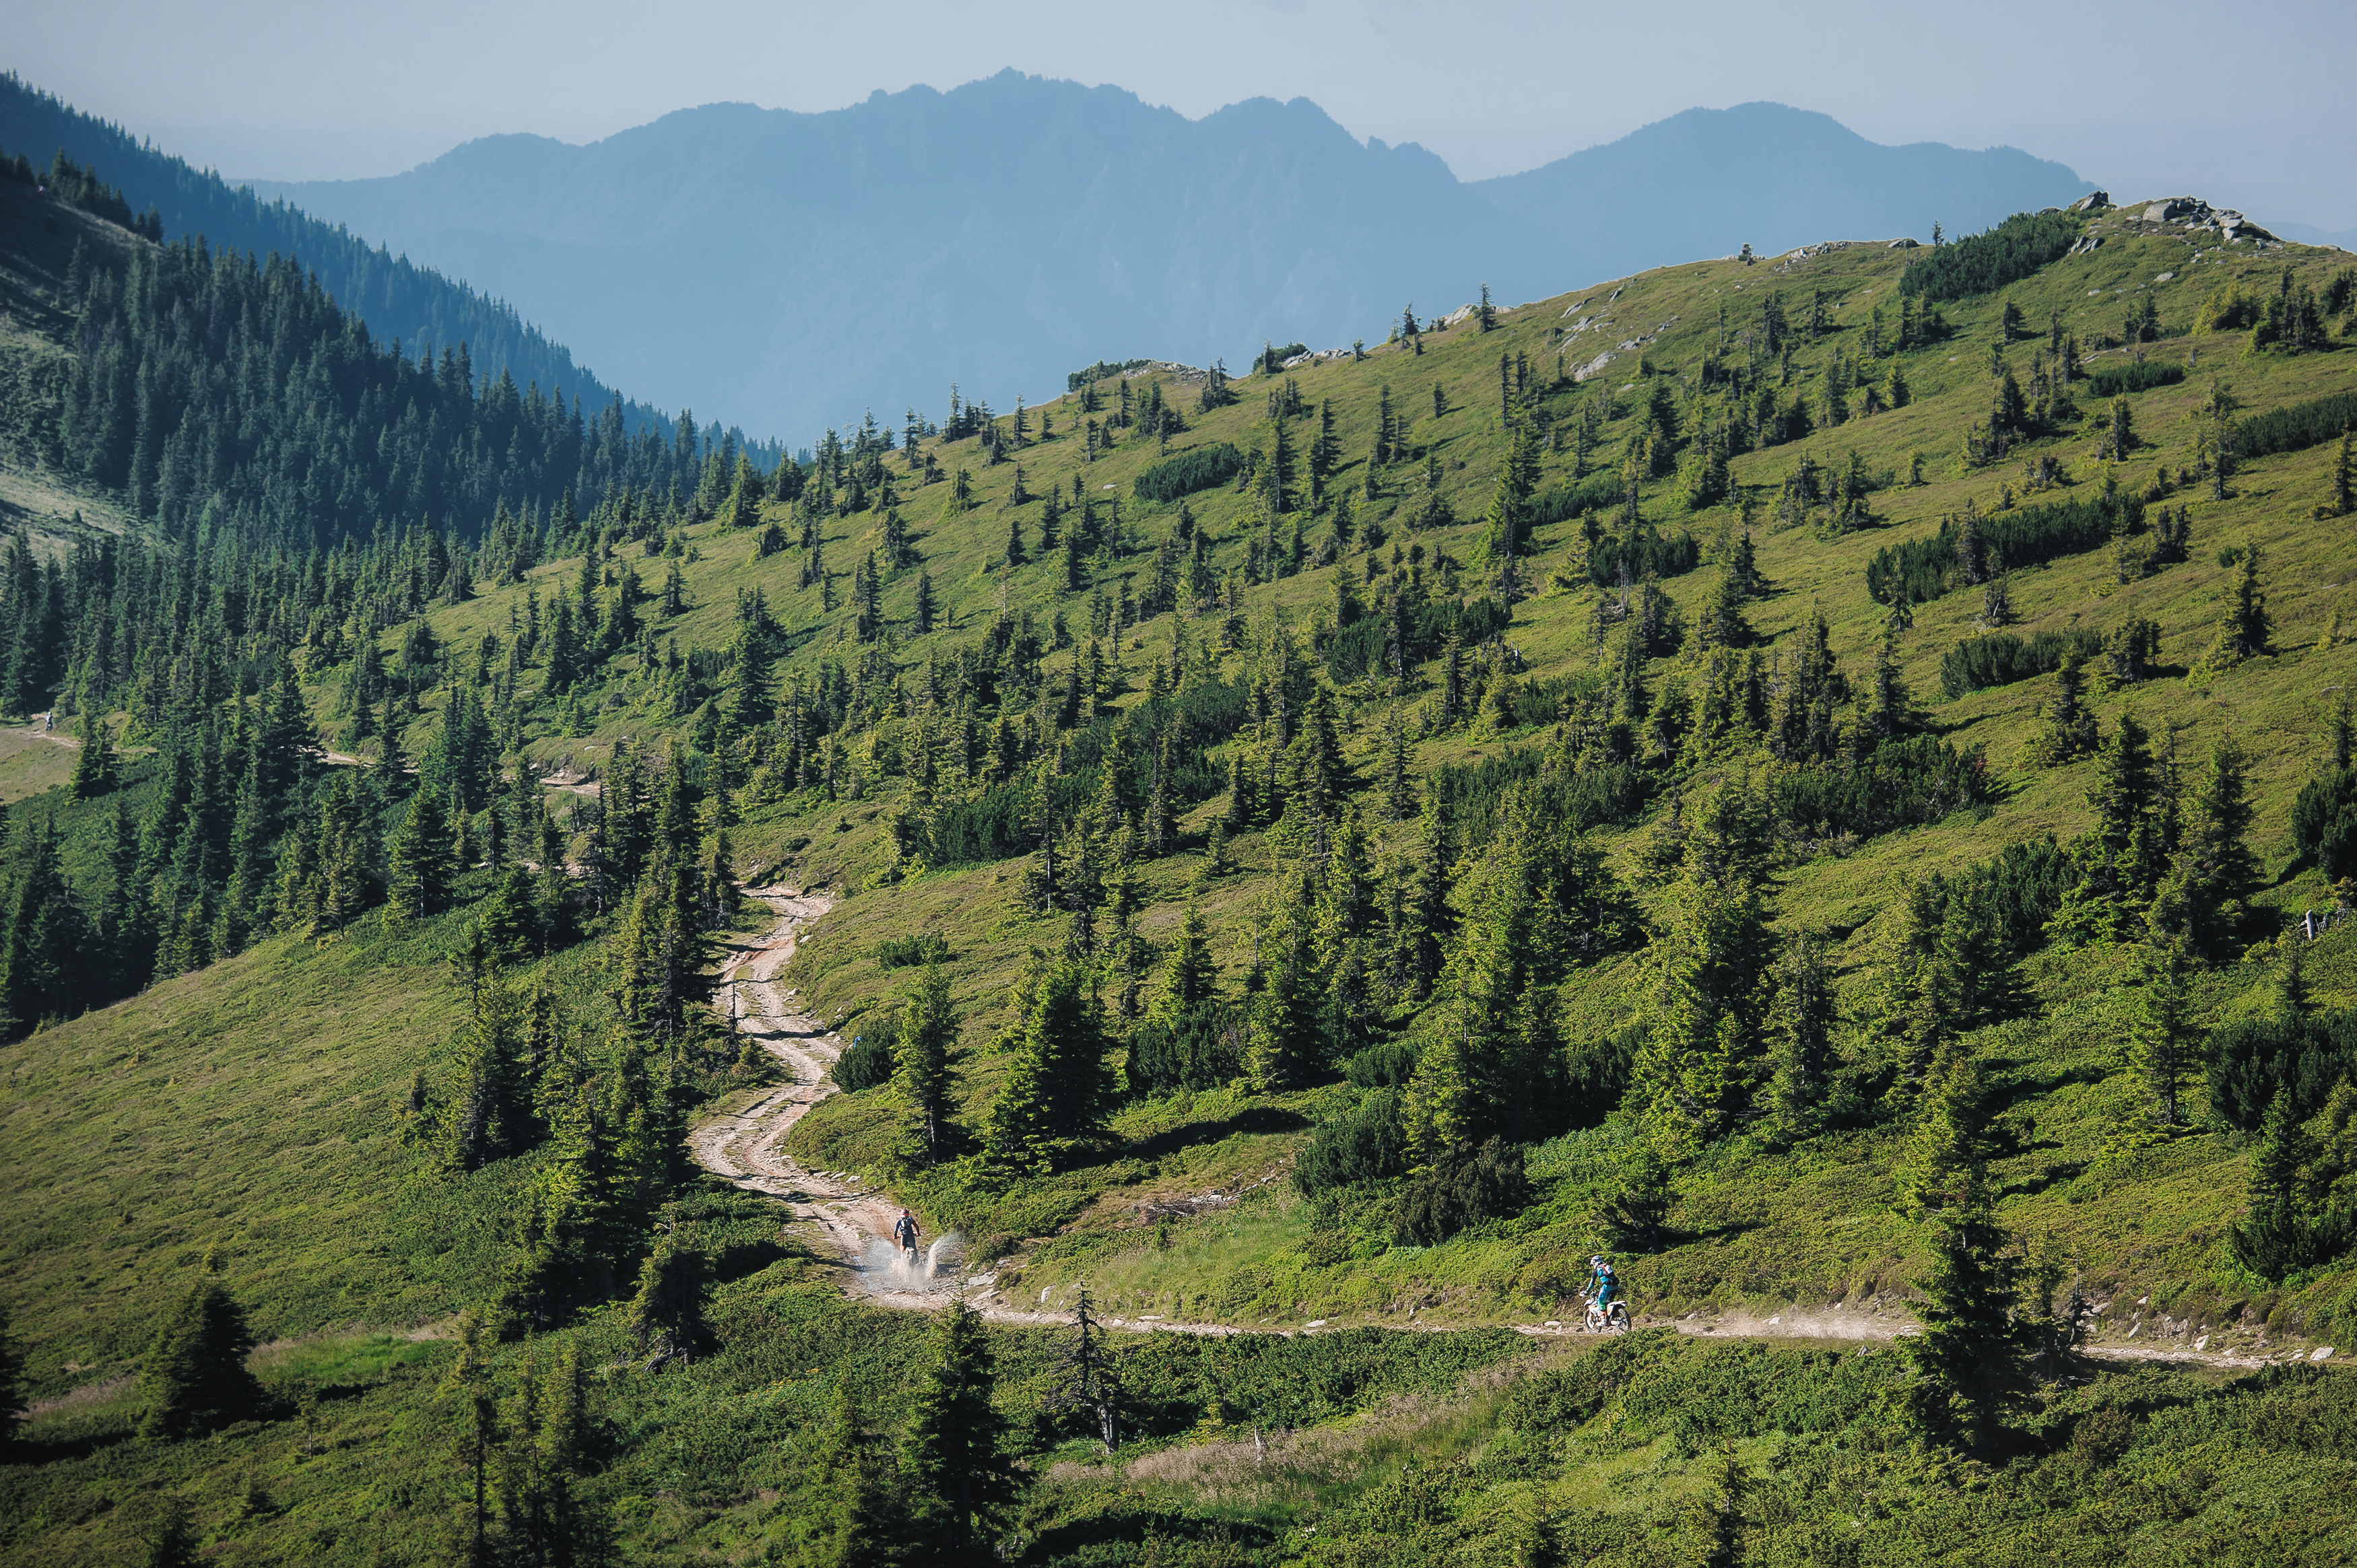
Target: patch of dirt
{"type": "Point", "coordinates": [98, 1392]}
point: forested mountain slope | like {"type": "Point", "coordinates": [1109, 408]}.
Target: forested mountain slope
{"type": "Point", "coordinates": [1815, 777]}
{"type": "Point", "coordinates": [396, 297]}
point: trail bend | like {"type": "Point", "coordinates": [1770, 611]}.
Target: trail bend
{"type": "Point", "coordinates": [747, 1147]}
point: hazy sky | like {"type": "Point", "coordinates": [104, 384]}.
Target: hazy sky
{"type": "Point", "coordinates": [2245, 104]}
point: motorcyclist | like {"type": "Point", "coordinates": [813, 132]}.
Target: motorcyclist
{"type": "Point", "coordinates": [1603, 1288]}
{"type": "Point", "coordinates": [904, 1231]}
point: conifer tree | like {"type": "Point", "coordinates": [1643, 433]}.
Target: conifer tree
{"type": "Point", "coordinates": [961, 1482]}
{"type": "Point", "coordinates": [94, 764]}
{"type": "Point", "coordinates": [666, 1316]}
{"type": "Point", "coordinates": [854, 1523]}
{"type": "Point", "coordinates": [1887, 715]}
{"type": "Point", "coordinates": [748, 700]}
{"type": "Point", "coordinates": [2118, 858]}
{"type": "Point", "coordinates": [419, 861]}
{"type": "Point", "coordinates": [2203, 900]}
{"type": "Point", "coordinates": [468, 1383]}
{"type": "Point", "coordinates": [1190, 976]}
{"type": "Point", "coordinates": [1399, 778]}
{"type": "Point", "coordinates": [1801, 1028]}
{"type": "Point", "coordinates": [1968, 1365]}
{"type": "Point", "coordinates": [2070, 731]}
{"type": "Point", "coordinates": [489, 1113]}
{"type": "Point", "coordinates": [2244, 626]}
{"type": "Point", "coordinates": [925, 607]}
{"type": "Point", "coordinates": [1692, 1075]}
{"type": "Point", "coordinates": [1287, 1043]}
{"type": "Point", "coordinates": [2277, 1234]}
{"type": "Point", "coordinates": [194, 1377]}
{"type": "Point", "coordinates": [44, 973]}
{"type": "Point", "coordinates": [2164, 1049]}
{"type": "Point", "coordinates": [922, 1072]}
{"type": "Point", "coordinates": [1059, 1084]}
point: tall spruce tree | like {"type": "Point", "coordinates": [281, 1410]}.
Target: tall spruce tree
{"type": "Point", "coordinates": [961, 1483]}
{"type": "Point", "coordinates": [1969, 1365]}
{"type": "Point", "coordinates": [922, 1069]}
{"type": "Point", "coordinates": [853, 1519]}
{"type": "Point", "coordinates": [2164, 1048]}
{"type": "Point", "coordinates": [419, 861]}
{"type": "Point", "coordinates": [194, 1377]}
{"type": "Point", "coordinates": [1059, 1084]}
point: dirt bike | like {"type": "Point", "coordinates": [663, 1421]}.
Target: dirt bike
{"type": "Point", "coordinates": [909, 1254]}
{"type": "Point", "coordinates": [1612, 1319]}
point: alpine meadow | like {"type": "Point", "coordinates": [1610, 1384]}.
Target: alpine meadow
{"type": "Point", "coordinates": [1823, 780]}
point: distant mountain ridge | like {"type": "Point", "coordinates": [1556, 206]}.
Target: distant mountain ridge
{"type": "Point", "coordinates": [1705, 181]}
{"type": "Point", "coordinates": [789, 270]}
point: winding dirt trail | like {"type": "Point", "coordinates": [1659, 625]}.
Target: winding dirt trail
{"type": "Point", "coordinates": [747, 1147]}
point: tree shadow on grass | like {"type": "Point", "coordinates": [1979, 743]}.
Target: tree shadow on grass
{"type": "Point", "coordinates": [1259, 1119]}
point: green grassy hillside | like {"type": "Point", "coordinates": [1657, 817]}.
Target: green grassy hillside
{"type": "Point", "coordinates": [256, 1107]}
{"type": "Point", "coordinates": [1843, 1244]}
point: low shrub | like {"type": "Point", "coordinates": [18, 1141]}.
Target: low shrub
{"type": "Point", "coordinates": [866, 1064]}
{"type": "Point", "coordinates": [2001, 658]}
{"type": "Point", "coordinates": [910, 950]}
{"type": "Point", "coordinates": [1365, 1145]}
{"type": "Point", "coordinates": [1462, 1190]}
{"type": "Point", "coordinates": [1201, 1049]}
{"type": "Point", "coordinates": [1191, 471]}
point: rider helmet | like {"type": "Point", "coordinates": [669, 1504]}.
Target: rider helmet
{"type": "Point", "coordinates": [1596, 1262]}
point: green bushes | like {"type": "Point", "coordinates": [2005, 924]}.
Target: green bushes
{"type": "Point", "coordinates": [2296, 428]}
{"type": "Point", "coordinates": [1596, 492]}
{"type": "Point", "coordinates": [1359, 1149]}
{"type": "Point", "coordinates": [867, 1063]}
{"type": "Point", "coordinates": [1385, 1066]}
{"type": "Point", "coordinates": [1469, 795]}
{"type": "Point", "coordinates": [1657, 1383]}
{"type": "Point", "coordinates": [1191, 471]}
{"type": "Point", "coordinates": [1980, 262]}
{"type": "Point", "coordinates": [1102, 371]}
{"type": "Point", "coordinates": [1176, 1380]}
{"type": "Point", "coordinates": [1906, 783]}
{"type": "Point", "coordinates": [1200, 1048]}
{"type": "Point", "coordinates": [1363, 647]}
{"type": "Point", "coordinates": [2001, 658]}
{"type": "Point", "coordinates": [1464, 1188]}
{"type": "Point", "coordinates": [2114, 380]}
{"type": "Point", "coordinates": [912, 950]}
{"type": "Point", "coordinates": [1645, 552]}
{"type": "Point", "coordinates": [1922, 570]}
{"type": "Point", "coordinates": [2324, 824]}
{"type": "Point", "coordinates": [2253, 1059]}
{"type": "Point", "coordinates": [993, 824]}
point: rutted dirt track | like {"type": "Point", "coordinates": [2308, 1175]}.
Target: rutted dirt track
{"type": "Point", "coordinates": [748, 1148]}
